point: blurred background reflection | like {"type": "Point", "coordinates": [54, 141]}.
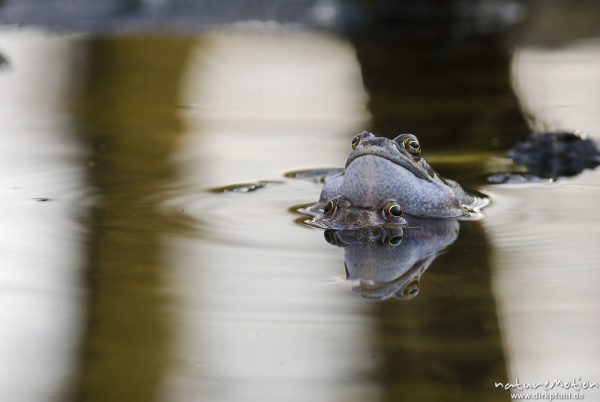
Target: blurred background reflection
{"type": "Point", "coordinates": [545, 259]}
{"type": "Point", "coordinates": [42, 189]}
{"type": "Point", "coordinates": [129, 123]}
{"type": "Point", "coordinates": [257, 317]}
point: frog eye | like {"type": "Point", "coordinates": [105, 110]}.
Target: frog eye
{"type": "Point", "coordinates": [411, 290]}
{"type": "Point", "coordinates": [392, 241]}
{"type": "Point", "coordinates": [392, 210]}
{"type": "Point", "coordinates": [412, 145]}
{"type": "Point", "coordinates": [330, 208]}
{"type": "Point", "coordinates": [356, 140]}
{"type": "Point", "coordinates": [331, 237]}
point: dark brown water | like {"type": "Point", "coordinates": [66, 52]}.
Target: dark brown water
{"type": "Point", "coordinates": [124, 278]}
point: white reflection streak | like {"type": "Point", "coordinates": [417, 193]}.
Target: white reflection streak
{"type": "Point", "coordinates": [268, 101]}
{"type": "Point", "coordinates": [260, 324]}
{"type": "Point", "coordinates": [546, 269]}
{"type": "Point", "coordinates": [560, 88]}
{"type": "Point", "coordinates": [39, 240]}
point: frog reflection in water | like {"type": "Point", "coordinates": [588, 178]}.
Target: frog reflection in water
{"type": "Point", "coordinates": [382, 263]}
{"type": "Point", "coordinates": [384, 179]}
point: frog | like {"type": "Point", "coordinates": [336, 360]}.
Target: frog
{"type": "Point", "coordinates": [384, 179]}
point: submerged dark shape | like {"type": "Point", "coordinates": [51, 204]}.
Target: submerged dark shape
{"type": "Point", "coordinates": [314, 175]}
{"type": "Point", "coordinates": [4, 63]}
{"type": "Point", "coordinates": [384, 179]}
{"type": "Point", "coordinates": [516, 178]}
{"type": "Point", "coordinates": [556, 154]}
{"type": "Point", "coordinates": [388, 262]}
{"type": "Point", "coordinates": [244, 187]}
{"type": "Point", "coordinates": [549, 156]}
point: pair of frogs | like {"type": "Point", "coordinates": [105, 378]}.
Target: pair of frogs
{"type": "Point", "coordinates": [384, 181]}
{"type": "Point", "coordinates": [393, 214]}
{"type": "Point", "coordinates": [387, 186]}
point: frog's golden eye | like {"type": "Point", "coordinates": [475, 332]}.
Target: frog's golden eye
{"type": "Point", "coordinates": [392, 210]}
{"type": "Point", "coordinates": [412, 145]}
{"type": "Point", "coordinates": [356, 140]}
{"type": "Point", "coordinates": [330, 207]}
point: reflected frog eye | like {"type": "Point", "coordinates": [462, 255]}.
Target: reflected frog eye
{"type": "Point", "coordinates": [331, 237]}
{"type": "Point", "coordinates": [356, 140]}
{"type": "Point", "coordinates": [330, 207]}
{"type": "Point", "coordinates": [412, 145]}
{"type": "Point", "coordinates": [411, 290]}
{"type": "Point", "coordinates": [392, 210]}
{"type": "Point", "coordinates": [392, 241]}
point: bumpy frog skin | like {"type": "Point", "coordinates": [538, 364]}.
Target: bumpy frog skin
{"type": "Point", "coordinates": [379, 171]}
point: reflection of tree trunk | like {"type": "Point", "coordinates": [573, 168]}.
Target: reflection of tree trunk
{"type": "Point", "coordinates": [445, 344]}
{"type": "Point", "coordinates": [129, 120]}
{"type": "Point", "coordinates": [451, 91]}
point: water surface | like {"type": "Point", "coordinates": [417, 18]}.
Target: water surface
{"type": "Point", "coordinates": [125, 278]}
